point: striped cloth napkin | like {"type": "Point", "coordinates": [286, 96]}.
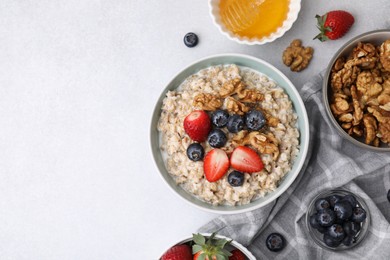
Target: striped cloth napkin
{"type": "Point", "coordinates": [332, 162]}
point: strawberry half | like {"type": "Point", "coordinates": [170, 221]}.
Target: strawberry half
{"type": "Point", "coordinates": [237, 255]}
{"type": "Point", "coordinates": [178, 252]}
{"type": "Point", "coordinates": [197, 125]}
{"type": "Point", "coordinates": [333, 25]}
{"type": "Point", "coordinates": [215, 164]}
{"type": "Point", "coordinates": [245, 159]}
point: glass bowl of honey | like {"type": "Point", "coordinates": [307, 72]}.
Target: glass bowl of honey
{"type": "Point", "coordinates": [254, 21]}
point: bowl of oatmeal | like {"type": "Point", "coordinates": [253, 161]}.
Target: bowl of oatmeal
{"type": "Point", "coordinates": [237, 85]}
{"type": "Point", "coordinates": [356, 91]}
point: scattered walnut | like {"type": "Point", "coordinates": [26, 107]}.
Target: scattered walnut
{"type": "Point", "coordinates": [206, 101]}
{"type": "Point", "coordinates": [249, 95]}
{"type": "Point", "coordinates": [234, 106]}
{"type": "Point", "coordinates": [296, 56]}
{"type": "Point", "coordinates": [385, 55]}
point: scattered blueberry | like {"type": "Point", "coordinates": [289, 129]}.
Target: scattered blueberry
{"type": "Point", "coordinates": [351, 199]}
{"type": "Point", "coordinates": [336, 231]}
{"type": "Point", "coordinates": [333, 199]}
{"type": "Point", "coordinates": [388, 195]}
{"type": "Point", "coordinates": [322, 204]}
{"type": "Point", "coordinates": [217, 138]}
{"type": "Point", "coordinates": [235, 123]}
{"type": "Point", "coordinates": [326, 217]}
{"type": "Point", "coordinates": [191, 39]}
{"type": "Point", "coordinates": [358, 215]}
{"type": "Point", "coordinates": [236, 178]}
{"type": "Point", "coordinates": [254, 120]}
{"type": "Point", "coordinates": [275, 242]}
{"type": "Point", "coordinates": [220, 118]}
{"type": "Point", "coordinates": [348, 240]}
{"type": "Point", "coordinates": [195, 152]}
{"type": "Point", "coordinates": [343, 209]}
{"type": "Point", "coordinates": [330, 241]}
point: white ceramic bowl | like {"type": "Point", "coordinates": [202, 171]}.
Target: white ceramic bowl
{"type": "Point", "coordinates": [294, 8]}
{"type": "Point", "coordinates": [233, 245]}
{"type": "Point", "coordinates": [302, 125]}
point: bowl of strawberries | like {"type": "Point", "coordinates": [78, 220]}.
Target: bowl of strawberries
{"type": "Point", "coordinates": [207, 246]}
{"type": "Point", "coordinates": [229, 133]}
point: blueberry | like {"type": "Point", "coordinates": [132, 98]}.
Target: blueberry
{"type": "Point", "coordinates": [326, 217]}
{"type": "Point", "coordinates": [336, 231]}
{"type": "Point", "coordinates": [220, 118]}
{"type": "Point", "coordinates": [191, 39]}
{"type": "Point", "coordinates": [322, 204]}
{"type": "Point", "coordinates": [348, 240]}
{"type": "Point", "coordinates": [236, 178]}
{"type": "Point", "coordinates": [351, 199]}
{"type": "Point", "coordinates": [254, 120]}
{"type": "Point", "coordinates": [330, 241]}
{"type": "Point", "coordinates": [195, 152]}
{"type": "Point", "coordinates": [388, 195]}
{"type": "Point", "coordinates": [333, 199]}
{"type": "Point", "coordinates": [235, 123]}
{"type": "Point", "coordinates": [275, 242]}
{"type": "Point", "coordinates": [314, 223]}
{"type": "Point", "coordinates": [343, 209]}
{"type": "Point", "coordinates": [348, 228]}
{"type": "Point", "coordinates": [217, 138]}
{"type": "Point", "coordinates": [358, 215]}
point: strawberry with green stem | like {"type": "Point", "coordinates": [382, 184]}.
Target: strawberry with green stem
{"type": "Point", "coordinates": [333, 25]}
{"type": "Point", "coordinates": [211, 248]}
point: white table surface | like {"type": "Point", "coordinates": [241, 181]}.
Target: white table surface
{"type": "Point", "coordinates": [78, 82]}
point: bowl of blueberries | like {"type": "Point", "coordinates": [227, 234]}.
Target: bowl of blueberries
{"type": "Point", "coordinates": [337, 219]}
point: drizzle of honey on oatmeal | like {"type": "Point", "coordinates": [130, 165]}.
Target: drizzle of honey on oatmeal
{"type": "Point", "coordinates": [253, 18]}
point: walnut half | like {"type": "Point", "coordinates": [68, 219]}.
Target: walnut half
{"type": "Point", "coordinates": [296, 56]}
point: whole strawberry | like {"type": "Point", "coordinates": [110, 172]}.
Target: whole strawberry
{"type": "Point", "coordinates": [333, 25]}
{"type": "Point", "coordinates": [197, 125]}
{"type": "Point", "coordinates": [178, 252]}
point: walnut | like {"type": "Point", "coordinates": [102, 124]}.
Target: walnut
{"type": "Point", "coordinates": [296, 56]}
{"type": "Point", "coordinates": [358, 112]}
{"type": "Point", "coordinates": [384, 97]}
{"type": "Point", "coordinates": [249, 95]}
{"type": "Point", "coordinates": [206, 101]}
{"type": "Point", "coordinates": [370, 128]}
{"type": "Point", "coordinates": [347, 118]}
{"type": "Point", "coordinates": [264, 143]}
{"type": "Point", "coordinates": [344, 77]}
{"type": "Point", "coordinates": [230, 87]}
{"type": "Point", "coordinates": [383, 118]}
{"type": "Point", "coordinates": [339, 64]}
{"type": "Point", "coordinates": [235, 106]}
{"type": "Point", "coordinates": [384, 55]}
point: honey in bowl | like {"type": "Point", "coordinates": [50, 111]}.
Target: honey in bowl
{"type": "Point", "coordinates": [253, 18]}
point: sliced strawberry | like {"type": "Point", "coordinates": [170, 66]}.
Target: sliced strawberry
{"type": "Point", "coordinates": [215, 164]}
{"type": "Point", "coordinates": [178, 252]}
{"type": "Point", "coordinates": [245, 159]}
{"type": "Point", "coordinates": [237, 255]}
{"type": "Point", "coordinates": [197, 125]}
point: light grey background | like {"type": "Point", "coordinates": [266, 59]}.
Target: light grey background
{"type": "Point", "coordinates": [78, 82]}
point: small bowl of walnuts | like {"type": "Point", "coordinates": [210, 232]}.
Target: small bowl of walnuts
{"type": "Point", "coordinates": [356, 90]}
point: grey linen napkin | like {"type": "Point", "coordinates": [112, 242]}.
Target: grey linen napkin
{"type": "Point", "coordinates": [332, 162]}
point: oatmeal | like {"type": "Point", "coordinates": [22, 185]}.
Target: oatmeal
{"type": "Point", "coordinates": [237, 91]}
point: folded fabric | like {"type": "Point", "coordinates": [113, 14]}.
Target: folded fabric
{"type": "Point", "coordinates": [332, 162]}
